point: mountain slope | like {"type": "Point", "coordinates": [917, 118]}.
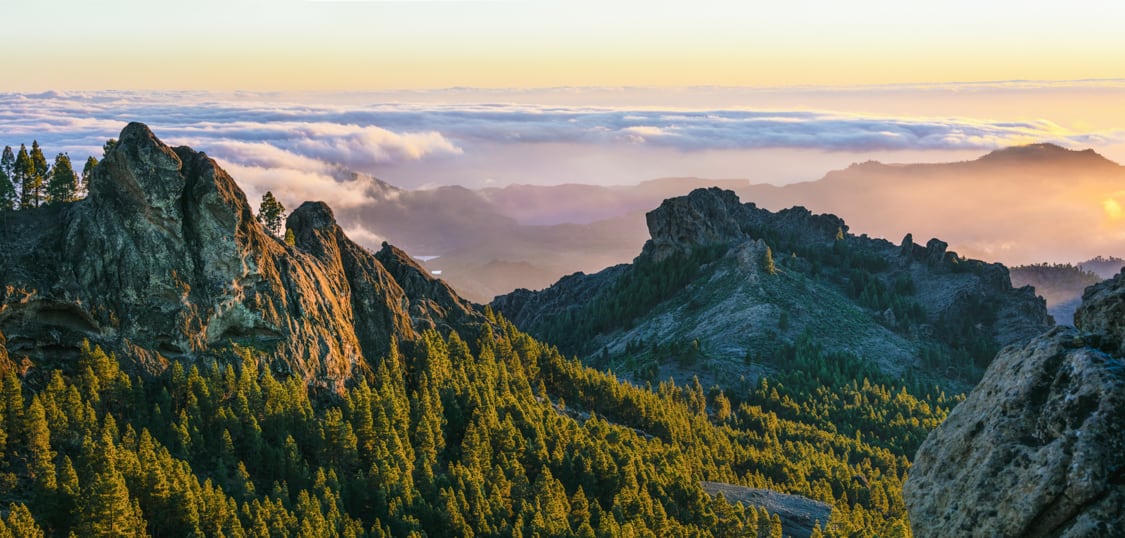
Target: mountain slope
{"type": "Point", "coordinates": [166, 260]}
{"type": "Point", "coordinates": [738, 286]}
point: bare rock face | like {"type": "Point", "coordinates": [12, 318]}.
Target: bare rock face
{"type": "Point", "coordinates": [704, 217]}
{"type": "Point", "coordinates": [1103, 311]}
{"type": "Point", "coordinates": [164, 259]}
{"type": "Point", "coordinates": [1038, 447]}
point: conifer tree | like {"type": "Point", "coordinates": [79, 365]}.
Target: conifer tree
{"type": "Point", "coordinates": [271, 214]}
{"type": "Point", "coordinates": [769, 265]}
{"type": "Point", "coordinates": [38, 444]}
{"type": "Point", "coordinates": [20, 523]}
{"type": "Point", "coordinates": [87, 171]}
{"type": "Point", "coordinates": [8, 162]}
{"type": "Point", "coordinates": [63, 185]}
{"type": "Point", "coordinates": [39, 171]}
{"type": "Point", "coordinates": [22, 175]}
{"type": "Point", "coordinates": [106, 509]}
{"type": "Point", "coordinates": [8, 193]}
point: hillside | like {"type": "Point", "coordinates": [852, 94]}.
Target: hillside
{"type": "Point", "coordinates": [168, 369]}
{"type": "Point", "coordinates": [731, 290]}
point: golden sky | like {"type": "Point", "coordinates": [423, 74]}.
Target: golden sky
{"type": "Point", "coordinates": [381, 44]}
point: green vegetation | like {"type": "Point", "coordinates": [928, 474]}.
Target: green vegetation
{"type": "Point", "coordinates": [642, 285]}
{"type": "Point", "coordinates": [27, 181]}
{"type": "Point", "coordinates": [271, 214]}
{"type": "Point", "coordinates": [500, 437]}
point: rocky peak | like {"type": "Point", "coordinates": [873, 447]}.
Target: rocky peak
{"type": "Point", "coordinates": [1037, 448]}
{"type": "Point", "coordinates": [141, 171]}
{"type": "Point", "coordinates": [165, 259]}
{"type": "Point", "coordinates": [703, 217]}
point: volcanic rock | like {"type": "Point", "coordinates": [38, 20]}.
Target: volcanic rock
{"type": "Point", "coordinates": [165, 254]}
{"type": "Point", "coordinates": [1038, 447]}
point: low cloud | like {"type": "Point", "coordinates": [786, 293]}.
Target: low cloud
{"type": "Point", "coordinates": [300, 145]}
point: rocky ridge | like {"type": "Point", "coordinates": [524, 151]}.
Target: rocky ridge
{"type": "Point", "coordinates": [164, 259]}
{"type": "Point", "coordinates": [826, 281]}
{"type": "Point", "coordinates": [1037, 448]}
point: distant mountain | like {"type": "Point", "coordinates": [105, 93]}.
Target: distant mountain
{"type": "Point", "coordinates": [1062, 285]}
{"type": "Point", "coordinates": [1104, 267]}
{"type": "Point", "coordinates": [1017, 205]}
{"type": "Point", "coordinates": [492, 241]}
{"type": "Point", "coordinates": [730, 289]}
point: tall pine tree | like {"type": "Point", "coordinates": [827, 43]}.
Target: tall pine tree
{"type": "Point", "coordinates": [87, 171]}
{"type": "Point", "coordinates": [106, 508]}
{"type": "Point", "coordinates": [21, 174]}
{"type": "Point", "coordinates": [271, 214]}
{"type": "Point", "coordinates": [63, 185]}
{"type": "Point", "coordinates": [39, 171]}
{"type": "Point", "coordinates": [8, 194]}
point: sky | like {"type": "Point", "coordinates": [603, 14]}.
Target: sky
{"type": "Point", "coordinates": [394, 44]}
{"type": "Point", "coordinates": [293, 96]}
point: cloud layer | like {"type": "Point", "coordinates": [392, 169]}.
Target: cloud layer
{"type": "Point", "coordinates": [300, 146]}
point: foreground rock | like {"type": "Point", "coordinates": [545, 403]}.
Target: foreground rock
{"type": "Point", "coordinates": [165, 254]}
{"type": "Point", "coordinates": [1038, 448]}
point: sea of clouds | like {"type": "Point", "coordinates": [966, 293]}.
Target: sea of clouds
{"type": "Point", "coordinates": [304, 147]}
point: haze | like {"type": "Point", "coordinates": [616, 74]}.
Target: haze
{"type": "Point", "coordinates": [315, 99]}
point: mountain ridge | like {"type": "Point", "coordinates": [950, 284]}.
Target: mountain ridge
{"type": "Point", "coordinates": [166, 236]}
{"type": "Point", "coordinates": [752, 281]}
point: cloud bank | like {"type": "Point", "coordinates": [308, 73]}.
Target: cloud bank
{"type": "Point", "coordinates": [303, 146]}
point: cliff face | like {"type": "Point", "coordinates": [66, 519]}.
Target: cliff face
{"type": "Point", "coordinates": [704, 277]}
{"type": "Point", "coordinates": [1038, 447]}
{"type": "Point", "coordinates": [165, 258]}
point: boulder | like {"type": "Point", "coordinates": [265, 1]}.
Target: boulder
{"type": "Point", "coordinates": [1038, 447]}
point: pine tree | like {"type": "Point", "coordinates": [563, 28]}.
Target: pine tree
{"type": "Point", "coordinates": [271, 214]}
{"type": "Point", "coordinates": [769, 266]}
{"type": "Point", "coordinates": [87, 171]}
{"type": "Point", "coordinates": [40, 456]}
{"type": "Point", "coordinates": [39, 171]}
{"type": "Point", "coordinates": [8, 162]}
{"type": "Point", "coordinates": [63, 185]}
{"type": "Point", "coordinates": [20, 523]}
{"type": "Point", "coordinates": [108, 147]}
{"type": "Point", "coordinates": [21, 175]}
{"type": "Point", "coordinates": [8, 195]}
{"type": "Point", "coordinates": [106, 509]}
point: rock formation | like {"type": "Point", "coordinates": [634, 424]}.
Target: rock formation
{"type": "Point", "coordinates": [853, 293]}
{"type": "Point", "coordinates": [165, 254]}
{"type": "Point", "coordinates": [1038, 447]}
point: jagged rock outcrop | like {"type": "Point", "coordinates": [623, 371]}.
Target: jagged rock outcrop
{"type": "Point", "coordinates": [165, 259]}
{"type": "Point", "coordinates": [704, 279]}
{"type": "Point", "coordinates": [1038, 447]}
{"type": "Point", "coordinates": [703, 217]}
